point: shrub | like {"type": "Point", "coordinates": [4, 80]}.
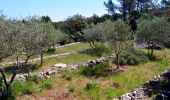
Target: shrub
{"type": "Point", "coordinates": [27, 88]}
{"type": "Point", "coordinates": [50, 51]}
{"type": "Point", "coordinates": [96, 70]}
{"type": "Point", "coordinates": [132, 57]}
{"type": "Point", "coordinates": [100, 50]}
{"type": "Point", "coordinates": [34, 79]}
{"type": "Point", "coordinates": [47, 85]}
{"type": "Point", "coordinates": [91, 85]}
{"type": "Point", "coordinates": [71, 89]}
{"type": "Point", "coordinates": [16, 88]}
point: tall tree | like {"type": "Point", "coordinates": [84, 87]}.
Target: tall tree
{"type": "Point", "coordinates": [74, 26]}
{"type": "Point", "coordinates": [111, 8]}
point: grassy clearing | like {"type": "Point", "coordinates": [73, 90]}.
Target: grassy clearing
{"type": "Point", "coordinates": [67, 49]}
{"type": "Point", "coordinates": [101, 88]}
{"type": "Point", "coordinates": [71, 59]}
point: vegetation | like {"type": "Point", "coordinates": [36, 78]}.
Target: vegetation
{"type": "Point", "coordinates": [153, 33]}
{"type": "Point", "coordinates": [132, 57]}
{"type": "Point", "coordinates": [142, 22]}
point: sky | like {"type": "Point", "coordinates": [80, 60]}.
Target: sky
{"type": "Point", "coordinates": [58, 10]}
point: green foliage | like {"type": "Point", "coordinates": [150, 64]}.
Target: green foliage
{"type": "Point", "coordinates": [153, 32]}
{"type": "Point", "coordinates": [47, 85]}
{"type": "Point", "coordinates": [68, 74]}
{"type": "Point", "coordinates": [1, 81]}
{"type": "Point", "coordinates": [91, 85]}
{"type": "Point", "coordinates": [22, 88]}
{"type": "Point", "coordinates": [16, 88]}
{"type": "Point", "coordinates": [100, 50]}
{"type": "Point", "coordinates": [96, 70]}
{"type": "Point", "coordinates": [74, 25]}
{"type": "Point", "coordinates": [34, 79]}
{"type": "Point", "coordinates": [132, 57]}
{"type": "Point", "coordinates": [27, 88]}
{"type": "Point", "coordinates": [51, 51]}
{"type": "Point", "coordinates": [63, 39]}
{"type": "Point", "coordinates": [71, 89]}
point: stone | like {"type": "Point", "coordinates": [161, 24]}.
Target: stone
{"type": "Point", "coordinates": [49, 72]}
{"type": "Point", "coordinates": [60, 65]}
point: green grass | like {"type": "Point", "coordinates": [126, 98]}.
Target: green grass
{"type": "Point", "coordinates": [71, 59]}
{"type": "Point", "coordinates": [67, 49]}
{"type": "Point", "coordinates": [108, 87]}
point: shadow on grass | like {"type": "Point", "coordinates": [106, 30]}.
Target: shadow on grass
{"type": "Point", "coordinates": [23, 69]}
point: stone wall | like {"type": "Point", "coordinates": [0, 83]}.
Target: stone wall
{"type": "Point", "coordinates": [58, 67]}
{"type": "Point", "coordinates": [143, 92]}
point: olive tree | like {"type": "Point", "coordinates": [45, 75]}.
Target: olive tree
{"type": "Point", "coordinates": [153, 32]}
{"type": "Point", "coordinates": [9, 30]}
{"type": "Point", "coordinates": [93, 34]}
{"type": "Point", "coordinates": [47, 37]}
{"type": "Point", "coordinates": [116, 34]}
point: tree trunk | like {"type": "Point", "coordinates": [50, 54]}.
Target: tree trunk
{"type": "Point", "coordinates": [5, 80]}
{"type": "Point", "coordinates": [148, 50]}
{"type": "Point", "coordinates": [117, 60]}
{"type": "Point", "coordinates": [41, 63]}
{"type": "Point", "coordinates": [124, 11]}
{"type": "Point", "coordinates": [26, 61]}
{"type": "Point", "coordinates": [152, 51]}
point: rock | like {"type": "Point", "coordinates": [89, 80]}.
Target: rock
{"type": "Point", "coordinates": [160, 97]}
{"type": "Point", "coordinates": [89, 65]}
{"type": "Point", "coordinates": [22, 78]}
{"type": "Point", "coordinates": [60, 65]}
{"type": "Point", "coordinates": [98, 61]}
{"type": "Point", "coordinates": [49, 72]}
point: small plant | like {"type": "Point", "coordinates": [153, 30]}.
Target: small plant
{"type": "Point", "coordinates": [68, 74]}
{"type": "Point", "coordinates": [50, 51]}
{"type": "Point", "coordinates": [71, 89]}
{"type": "Point", "coordinates": [90, 86]}
{"type": "Point", "coordinates": [34, 79]}
{"type": "Point", "coordinates": [47, 85]}
{"type": "Point", "coordinates": [27, 88]}
{"type": "Point", "coordinates": [68, 78]}
{"type": "Point", "coordinates": [16, 88]}
{"type": "Point", "coordinates": [96, 70]}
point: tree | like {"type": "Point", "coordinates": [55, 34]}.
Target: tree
{"type": "Point", "coordinates": [74, 26]}
{"type": "Point", "coordinates": [46, 19]}
{"type": "Point", "coordinates": [153, 32]}
{"type": "Point", "coordinates": [47, 37]}
{"type": "Point", "coordinates": [93, 34]}
{"type": "Point", "coordinates": [9, 30]}
{"type": "Point", "coordinates": [28, 38]}
{"type": "Point", "coordinates": [111, 8]}
{"type": "Point", "coordinates": [116, 35]}
{"type": "Point", "coordinates": [168, 13]}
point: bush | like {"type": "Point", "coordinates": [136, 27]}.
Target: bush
{"type": "Point", "coordinates": [71, 89]}
{"type": "Point", "coordinates": [96, 70]}
{"type": "Point", "coordinates": [27, 88]}
{"type": "Point", "coordinates": [34, 79]}
{"type": "Point", "coordinates": [91, 85]}
{"type": "Point", "coordinates": [99, 50]}
{"type": "Point", "coordinates": [47, 85]}
{"type": "Point", "coordinates": [50, 51]}
{"type": "Point", "coordinates": [16, 88]}
{"type": "Point", "coordinates": [132, 57]}
{"type": "Point", "coordinates": [67, 74]}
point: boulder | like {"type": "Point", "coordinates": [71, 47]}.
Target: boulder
{"type": "Point", "coordinates": [60, 65]}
